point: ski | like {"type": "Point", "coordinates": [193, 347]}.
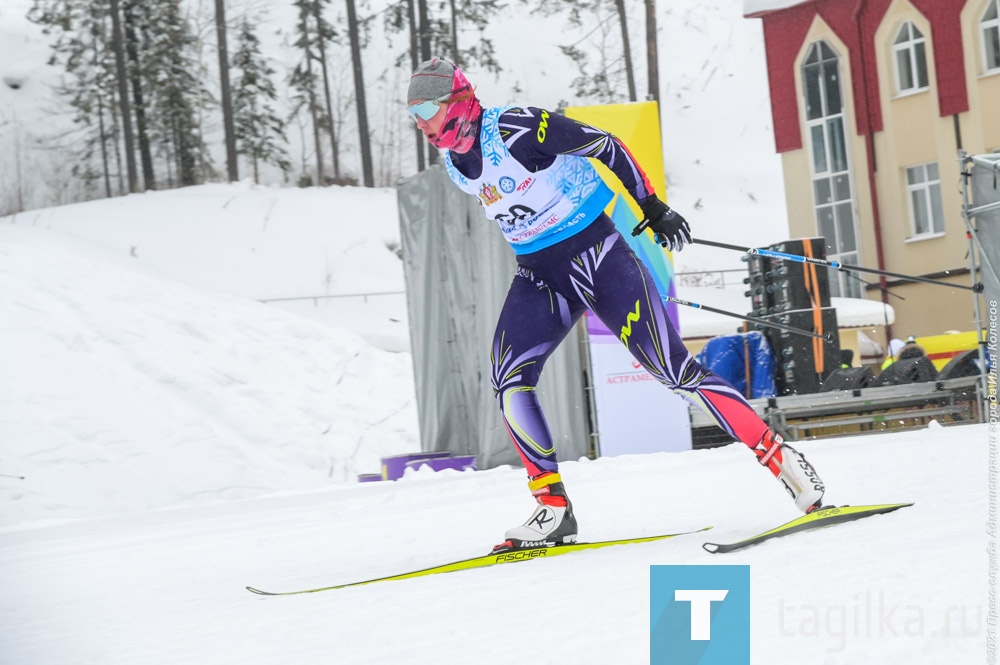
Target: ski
{"type": "Point", "coordinates": [815, 520]}
{"type": "Point", "coordinates": [492, 559]}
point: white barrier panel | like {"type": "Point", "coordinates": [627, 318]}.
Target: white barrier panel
{"type": "Point", "coordinates": [635, 412]}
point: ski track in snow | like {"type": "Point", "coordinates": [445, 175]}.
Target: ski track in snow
{"type": "Point", "coordinates": [167, 586]}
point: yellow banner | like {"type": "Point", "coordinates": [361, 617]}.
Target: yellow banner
{"type": "Point", "coordinates": [638, 127]}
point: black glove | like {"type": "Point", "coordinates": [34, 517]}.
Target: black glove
{"type": "Point", "coordinates": [669, 228]}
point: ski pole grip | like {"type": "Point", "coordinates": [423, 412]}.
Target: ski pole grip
{"type": "Point", "coordinates": [640, 227]}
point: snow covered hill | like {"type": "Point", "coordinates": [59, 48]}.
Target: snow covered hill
{"type": "Point", "coordinates": [124, 390]}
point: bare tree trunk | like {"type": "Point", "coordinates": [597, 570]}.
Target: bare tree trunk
{"type": "Point", "coordinates": [116, 141]}
{"type": "Point", "coordinates": [414, 61]}
{"type": "Point", "coordinates": [334, 144]}
{"type": "Point", "coordinates": [132, 50]}
{"type": "Point", "coordinates": [359, 91]}
{"type": "Point", "coordinates": [652, 56]}
{"type": "Point", "coordinates": [454, 34]}
{"type": "Point", "coordinates": [320, 181]}
{"type": "Point", "coordinates": [425, 54]}
{"type": "Point", "coordinates": [626, 49]}
{"type": "Point", "coordinates": [104, 145]}
{"type": "Point", "coordinates": [425, 30]}
{"type": "Point", "coordinates": [227, 97]}
{"type": "Point", "coordinates": [101, 128]}
{"type": "Point", "coordinates": [126, 112]}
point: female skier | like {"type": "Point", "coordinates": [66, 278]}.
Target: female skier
{"type": "Point", "coordinates": [529, 170]}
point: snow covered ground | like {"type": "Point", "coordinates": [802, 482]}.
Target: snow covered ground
{"type": "Point", "coordinates": [125, 389]}
{"type": "Point", "coordinates": [167, 586]}
{"type": "Point", "coordinates": [315, 252]}
{"type": "Point", "coordinates": [179, 442]}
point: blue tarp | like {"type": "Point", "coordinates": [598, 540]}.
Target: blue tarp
{"type": "Point", "coordinates": [726, 356]}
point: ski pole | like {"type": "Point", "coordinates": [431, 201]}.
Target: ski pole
{"type": "Point", "coordinates": [975, 288]}
{"type": "Point", "coordinates": [828, 337]}
{"type": "Point", "coordinates": [7, 475]}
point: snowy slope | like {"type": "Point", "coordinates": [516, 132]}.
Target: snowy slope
{"type": "Point", "coordinates": [260, 243]}
{"type": "Point", "coordinates": [124, 390]}
{"type": "Point", "coordinates": [167, 586]}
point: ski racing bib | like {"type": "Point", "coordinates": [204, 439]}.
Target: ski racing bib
{"type": "Point", "coordinates": [534, 210]}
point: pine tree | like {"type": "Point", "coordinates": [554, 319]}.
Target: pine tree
{"type": "Point", "coordinates": [326, 34]}
{"type": "Point", "coordinates": [221, 31]}
{"type": "Point", "coordinates": [179, 96]}
{"type": "Point", "coordinates": [129, 9]}
{"type": "Point", "coordinates": [360, 101]}
{"type": "Point", "coordinates": [260, 132]}
{"type": "Point", "coordinates": [600, 55]}
{"type": "Point", "coordinates": [169, 74]}
{"type": "Point", "coordinates": [433, 28]}
{"type": "Point", "coordinates": [437, 27]}
{"type": "Point", "coordinates": [304, 83]}
{"type": "Point", "coordinates": [82, 46]}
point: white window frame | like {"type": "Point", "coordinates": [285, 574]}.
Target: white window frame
{"type": "Point", "coordinates": [985, 28]}
{"type": "Point", "coordinates": [841, 283]}
{"type": "Point", "coordinates": [925, 190]}
{"type": "Point", "coordinates": [909, 49]}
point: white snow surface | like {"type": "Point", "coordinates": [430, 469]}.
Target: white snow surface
{"type": "Point", "coordinates": [125, 390]}
{"type": "Point", "coordinates": [178, 442]}
{"type": "Point", "coordinates": [318, 252]}
{"type": "Point", "coordinates": [167, 586]}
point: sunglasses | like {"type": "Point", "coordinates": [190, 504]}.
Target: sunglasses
{"type": "Point", "coordinates": [427, 110]}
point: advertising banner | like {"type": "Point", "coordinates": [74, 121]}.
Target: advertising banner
{"type": "Point", "coordinates": [635, 413]}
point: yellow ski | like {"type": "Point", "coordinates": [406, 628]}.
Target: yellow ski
{"type": "Point", "coordinates": [510, 556]}
{"type": "Point", "coordinates": [814, 520]}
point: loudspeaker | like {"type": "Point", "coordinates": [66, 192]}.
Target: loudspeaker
{"type": "Point", "coordinates": [911, 370]}
{"type": "Point", "coordinates": [798, 370]}
{"type": "Point", "coordinates": [965, 363]}
{"type": "Point", "coordinates": [797, 285]}
{"type": "Point", "coordinates": [758, 283]}
{"type": "Point", "coordinates": [782, 285]}
{"type": "Point", "coordinates": [848, 378]}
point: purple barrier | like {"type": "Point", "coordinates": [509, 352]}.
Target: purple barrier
{"type": "Point", "coordinates": [459, 463]}
{"type": "Point", "coordinates": [393, 467]}
{"type": "Point", "coordinates": [369, 477]}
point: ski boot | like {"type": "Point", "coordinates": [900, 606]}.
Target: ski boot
{"type": "Point", "coordinates": [791, 468]}
{"type": "Point", "coordinates": [552, 523]}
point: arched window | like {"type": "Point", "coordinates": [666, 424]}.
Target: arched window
{"type": "Point", "coordinates": [990, 25]}
{"type": "Point", "coordinates": [830, 165]}
{"type": "Point", "coordinates": [910, 56]}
